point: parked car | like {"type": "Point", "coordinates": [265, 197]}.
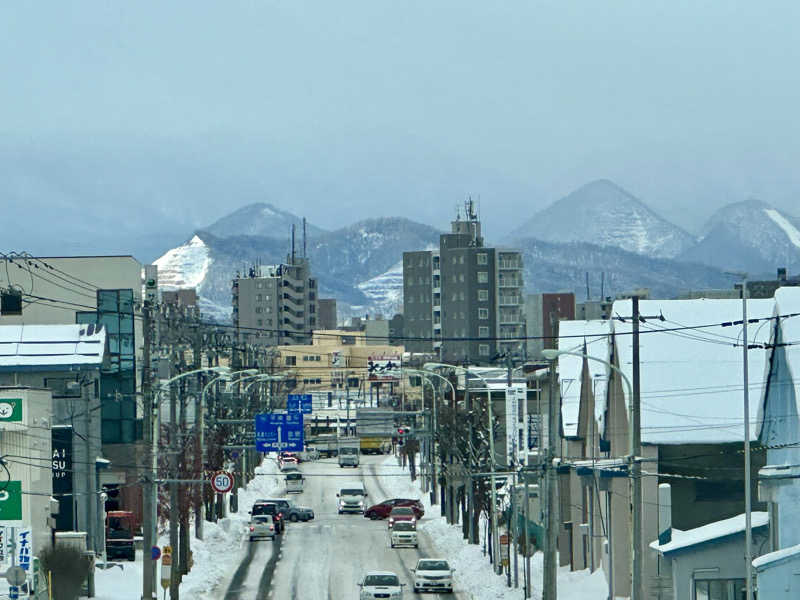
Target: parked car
{"type": "Point", "coordinates": [261, 526]}
{"type": "Point", "coordinates": [433, 575]}
{"type": "Point", "coordinates": [404, 533]}
{"type": "Point", "coordinates": [402, 513]}
{"type": "Point", "coordinates": [381, 584]}
{"type": "Point", "coordinates": [269, 508]}
{"type": "Point", "coordinates": [290, 510]}
{"type": "Point", "coordinates": [382, 510]}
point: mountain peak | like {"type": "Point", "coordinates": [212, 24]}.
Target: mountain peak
{"type": "Point", "coordinates": [260, 218]}
{"type": "Point", "coordinates": [603, 213]}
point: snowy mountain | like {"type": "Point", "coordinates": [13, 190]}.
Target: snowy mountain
{"type": "Point", "coordinates": [604, 214]}
{"type": "Point", "coordinates": [750, 236]}
{"type": "Point", "coordinates": [357, 265]}
{"type": "Point", "coordinates": [261, 219]}
{"type": "Point", "coordinates": [553, 267]}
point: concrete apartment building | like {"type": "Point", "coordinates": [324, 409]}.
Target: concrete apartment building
{"type": "Point", "coordinates": [276, 304]}
{"type": "Point", "coordinates": [464, 300]}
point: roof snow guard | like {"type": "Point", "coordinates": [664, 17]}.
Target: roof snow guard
{"type": "Point", "coordinates": [51, 347]}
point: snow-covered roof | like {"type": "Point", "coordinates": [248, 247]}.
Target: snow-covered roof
{"type": "Point", "coordinates": [681, 540]}
{"type": "Point", "coordinates": [787, 301]}
{"type": "Point", "coordinates": [51, 346]}
{"type": "Point", "coordinates": [572, 337]}
{"type": "Point", "coordinates": [692, 379]}
{"type": "Point", "coordinates": [768, 560]}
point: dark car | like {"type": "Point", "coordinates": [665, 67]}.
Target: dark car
{"type": "Point", "coordinates": [382, 510]}
{"type": "Point", "coordinates": [290, 510]}
{"type": "Point", "coordinates": [270, 508]}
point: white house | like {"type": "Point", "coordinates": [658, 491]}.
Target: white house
{"type": "Point", "coordinates": [692, 426]}
{"type": "Point", "coordinates": [779, 432]}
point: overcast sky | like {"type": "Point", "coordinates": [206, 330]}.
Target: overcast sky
{"type": "Point", "coordinates": [344, 110]}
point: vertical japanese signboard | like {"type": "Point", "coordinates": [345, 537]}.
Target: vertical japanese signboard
{"type": "Point", "coordinates": [62, 476]}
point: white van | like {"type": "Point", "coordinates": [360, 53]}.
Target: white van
{"type": "Point", "coordinates": [352, 497]}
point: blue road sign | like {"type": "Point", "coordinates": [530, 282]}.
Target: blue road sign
{"type": "Point", "coordinates": [299, 403]}
{"type": "Point", "coordinates": [279, 431]}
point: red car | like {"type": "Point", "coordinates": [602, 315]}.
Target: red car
{"type": "Point", "coordinates": [382, 510]}
{"type": "Point", "coordinates": [402, 513]}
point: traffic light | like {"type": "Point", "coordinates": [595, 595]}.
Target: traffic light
{"type": "Point", "coordinates": [403, 433]}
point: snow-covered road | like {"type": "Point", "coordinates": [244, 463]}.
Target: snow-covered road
{"type": "Point", "coordinates": [324, 559]}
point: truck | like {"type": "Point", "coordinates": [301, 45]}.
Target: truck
{"type": "Point", "coordinates": [327, 445]}
{"type": "Point", "coordinates": [375, 427]}
{"type": "Point", "coordinates": [348, 450]}
{"type": "Point", "coordinates": [376, 445]}
{"type": "Point", "coordinates": [120, 525]}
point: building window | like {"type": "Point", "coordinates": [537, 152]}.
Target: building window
{"type": "Point", "coordinates": [455, 260]}
{"type": "Point", "coordinates": [482, 258]}
{"type": "Point", "coordinates": [260, 285]}
{"type": "Point", "coordinates": [312, 283]}
{"type": "Point", "coordinates": [290, 361]}
{"type": "Point", "coordinates": [461, 296]}
{"type": "Point", "coordinates": [483, 331]}
{"type": "Point", "coordinates": [483, 277]}
{"type": "Point", "coordinates": [352, 382]}
{"type": "Point", "coordinates": [483, 313]}
{"type": "Point", "coordinates": [312, 321]}
{"type": "Point", "coordinates": [260, 322]}
{"type": "Point", "coordinates": [411, 298]}
{"type": "Point", "coordinates": [483, 349]}
{"type": "Point", "coordinates": [722, 589]}
{"type": "Point", "coordinates": [483, 295]}
{"type": "Point", "coordinates": [461, 315]}
{"type": "Point", "coordinates": [312, 296]}
{"type": "Point", "coordinates": [258, 310]}
{"type": "Point", "coordinates": [461, 259]}
{"type": "Point", "coordinates": [461, 277]}
{"type": "Point", "coordinates": [258, 297]}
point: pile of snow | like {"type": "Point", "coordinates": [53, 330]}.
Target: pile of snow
{"type": "Point", "coordinates": [211, 564]}
{"type": "Point", "coordinates": [472, 568]}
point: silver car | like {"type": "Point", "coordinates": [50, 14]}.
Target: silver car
{"type": "Point", "coordinates": [261, 527]}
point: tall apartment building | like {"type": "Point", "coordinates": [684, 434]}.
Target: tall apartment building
{"type": "Point", "coordinates": [276, 304]}
{"type": "Point", "coordinates": [464, 300]}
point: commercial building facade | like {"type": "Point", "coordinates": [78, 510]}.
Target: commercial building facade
{"type": "Point", "coordinates": [464, 300]}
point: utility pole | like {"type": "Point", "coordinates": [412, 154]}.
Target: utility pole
{"type": "Point", "coordinates": [637, 591]}
{"type": "Point", "coordinates": [550, 563]}
{"type": "Point", "coordinates": [148, 489]}
{"type": "Point", "coordinates": [748, 531]}
{"type": "Point", "coordinates": [174, 501]}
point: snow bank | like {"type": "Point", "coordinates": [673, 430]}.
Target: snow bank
{"type": "Point", "coordinates": [215, 557]}
{"type": "Point", "coordinates": [472, 569]}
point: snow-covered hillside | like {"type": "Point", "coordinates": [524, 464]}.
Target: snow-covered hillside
{"type": "Point", "coordinates": [604, 214]}
{"type": "Point", "coordinates": [384, 292]}
{"type": "Point", "coordinates": [751, 236]}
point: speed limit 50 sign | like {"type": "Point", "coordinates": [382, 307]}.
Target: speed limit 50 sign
{"type": "Point", "coordinates": [222, 482]}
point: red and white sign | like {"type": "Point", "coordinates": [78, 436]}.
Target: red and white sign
{"type": "Point", "coordinates": [222, 482]}
{"type": "Point", "coordinates": [385, 368]}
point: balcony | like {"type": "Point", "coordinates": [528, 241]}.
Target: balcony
{"type": "Point", "coordinates": [509, 282]}
{"type": "Point", "coordinates": [509, 300]}
{"type": "Point", "coordinates": [509, 265]}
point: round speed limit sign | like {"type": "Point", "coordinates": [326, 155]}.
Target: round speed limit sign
{"type": "Point", "coordinates": [222, 482]}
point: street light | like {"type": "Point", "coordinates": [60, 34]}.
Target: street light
{"type": "Point", "coordinates": [467, 372]}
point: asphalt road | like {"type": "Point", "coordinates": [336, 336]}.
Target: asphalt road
{"type": "Point", "coordinates": [325, 558]}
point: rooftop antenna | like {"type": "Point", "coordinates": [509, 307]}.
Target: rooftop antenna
{"type": "Point", "coordinates": [292, 243]}
{"type": "Point", "coordinates": [304, 237]}
{"type": "Point", "coordinates": [602, 284]}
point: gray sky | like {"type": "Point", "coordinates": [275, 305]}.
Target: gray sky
{"type": "Point", "coordinates": [344, 110]}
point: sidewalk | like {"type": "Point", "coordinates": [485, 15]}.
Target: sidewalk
{"type": "Point", "coordinates": [215, 557]}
